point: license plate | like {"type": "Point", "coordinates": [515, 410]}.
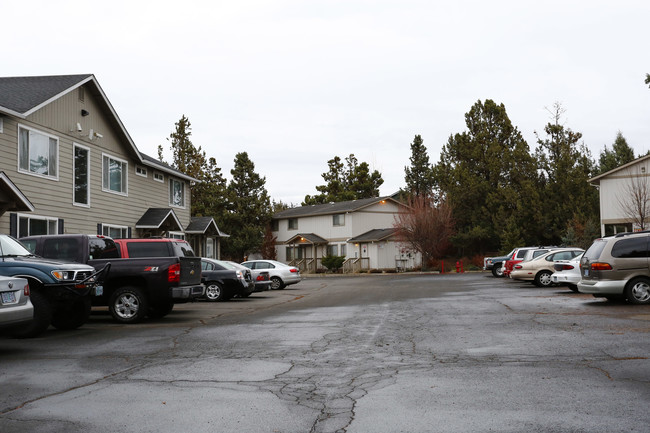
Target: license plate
{"type": "Point", "coordinates": [99, 290]}
{"type": "Point", "coordinates": [586, 272]}
{"type": "Point", "coordinates": [8, 298]}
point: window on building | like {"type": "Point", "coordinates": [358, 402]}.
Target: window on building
{"type": "Point", "coordinates": [209, 248]}
{"type": "Point", "coordinates": [81, 175]}
{"type": "Point", "coordinates": [332, 250]}
{"type": "Point", "coordinates": [140, 171]}
{"type": "Point", "coordinates": [158, 176]}
{"type": "Point", "coordinates": [1, 125]}
{"type": "Point", "coordinates": [176, 235]}
{"type": "Point", "coordinates": [114, 176]}
{"type": "Point", "coordinates": [176, 193]}
{"type": "Point", "coordinates": [37, 153]}
{"type": "Point", "coordinates": [35, 225]}
{"type": "Point", "coordinates": [344, 248]}
{"type": "Point", "coordinates": [338, 219]}
{"type": "Point", "coordinates": [275, 226]}
{"type": "Point", "coordinates": [612, 229]}
{"type": "Point", "coordinates": [115, 232]}
{"type": "Point", "coordinates": [293, 223]}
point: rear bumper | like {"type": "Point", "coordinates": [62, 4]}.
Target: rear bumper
{"type": "Point", "coordinates": [16, 315]}
{"type": "Point", "coordinates": [187, 293]}
{"type": "Point", "coordinates": [602, 287]}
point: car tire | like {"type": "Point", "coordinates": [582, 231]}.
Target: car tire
{"type": "Point", "coordinates": [73, 316]}
{"type": "Point", "coordinates": [543, 279]}
{"type": "Point", "coordinates": [573, 288]}
{"type": "Point", "coordinates": [128, 305]}
{"type": "Point", "coordinates": [214, 292]}
{"type": "Point", "coordinates": [637, 291]}
{"type": "Point", "coordinates": [42, 317]}
{"type": "Point", "coordinates": [497, 270]}
{"type": "Point", "coordinates": [277, 283]}
{"type": "Point", "coordinates": [160, 310]}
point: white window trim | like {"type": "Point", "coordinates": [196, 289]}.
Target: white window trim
{"type": "Point", "coordinates": [115, 226]}
{"type": "Point", "coordinates": [139, 167]}
{"type": "Point", "coordinates": [75, 145]}
{"type": "Point", "coordinates": [2, 123]}
{"type": "Point", "coordinates": [126, 170]}
{"type": "Point", "coordinates": [31, 173]}
{"type": "Point", "coordinates": [36, 217]}
{"type": "Point", "coordinates": [184, 193]}
{"type": "Point", "coordinates": [172, 235]}
{"type": "Point", "coordinates": [156, 174]}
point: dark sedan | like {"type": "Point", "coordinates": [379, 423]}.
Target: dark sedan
{"type": "Point", "coordinates": [223, 281]}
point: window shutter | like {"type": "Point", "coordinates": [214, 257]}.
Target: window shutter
{"type": "Point", "coordinates": [60, 226]}
{"type": "Point", "coordinates": [128, 231]}
{"type": "Point", "coordinates": [13, 225]}
{"type": "Point", "coordinates": [99, 229]}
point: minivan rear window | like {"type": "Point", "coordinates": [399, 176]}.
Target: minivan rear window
{"type": "Point", "coordinates": [631, 248]}
{"type": "Point", "coordinates": [593, 252]}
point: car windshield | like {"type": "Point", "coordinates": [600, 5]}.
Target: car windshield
{"type": "Point", "coordinates": [226, 265]}
{"type": "Point", "coordinates": [10, 247]}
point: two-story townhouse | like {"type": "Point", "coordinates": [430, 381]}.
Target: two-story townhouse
{"type": "Point", "coordinates": [360, 230]}
{"type": "Point", "coordinates": [69, 166]}
{"type": "Point", "coordinates": [623, 187]}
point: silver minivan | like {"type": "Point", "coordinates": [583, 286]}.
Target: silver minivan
{"type": "Point", "coordinates": [617, 267]}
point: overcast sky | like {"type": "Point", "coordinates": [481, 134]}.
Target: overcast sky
{"type": "Point", "coordinates": [295, 83]}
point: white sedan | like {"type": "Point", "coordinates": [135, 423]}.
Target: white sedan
{"type": "Point", "coordinates": [567, 273]}
{"type": "Point", "coordinates": [281, 274]}
{"type": "Point", "coordinates": [540, 269]}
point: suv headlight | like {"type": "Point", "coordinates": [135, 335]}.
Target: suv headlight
{"type": "Point", "coordinates": [63, 275]}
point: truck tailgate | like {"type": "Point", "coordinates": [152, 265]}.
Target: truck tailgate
{"type": "Point", "coordinates": [190, 271]}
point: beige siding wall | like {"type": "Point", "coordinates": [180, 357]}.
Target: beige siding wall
{"type": "Point", "coordinates": [54, 198]}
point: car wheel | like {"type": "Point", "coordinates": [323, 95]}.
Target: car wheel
{"type": "Point", "coordinates": [214, 292]}
{"type": "Point", "coordinates": [573, 288]}
{"type": "Point", "coordinates": [637, 291]}
{"type": "Point", "coordinates": [73, 316]}
{"type": "Point", "coordinates": [543, 279]}
{"type": "Point", "coordinates": [42, 317]}
{"type": "Point", "coordinates": [497, 270]}
{"type": "Point", "coordinates": [160, 310]}
{"type": "Point", "coordinates": [128, 305]}
{"type": "Point", "coordinates": [276, 283]}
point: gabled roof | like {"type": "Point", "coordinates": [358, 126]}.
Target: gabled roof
{"type": "Point", "coordinates": [202, 225]}
{"type": "Point", "coordinates": [309, 238]}
{"type": "Point", "coordinates": [596, 180]}
{"type": "Point", "coordinates": [332, 208]}
{"type": "Point", "coordinates": [374, 235]}
{"type": "Point", "coordinates": [22, 96]}
{"type": "Point", "coordinates": [159, 218]}
{"type": "Point", "coordinates": [12, 198]}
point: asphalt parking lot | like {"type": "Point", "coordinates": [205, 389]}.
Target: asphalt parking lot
{"type": "Point", "coordinates": [380, 353]}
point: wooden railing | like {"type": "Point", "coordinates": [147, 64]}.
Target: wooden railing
{"type": "Point", "coordinates": [356, 264]}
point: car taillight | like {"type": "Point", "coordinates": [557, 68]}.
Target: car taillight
{"type": "Point", "coordinates": [566, 267]}
{"type": "Point", "coordinates": [26, 290]}
{"type": "Point", "coordinates": [518, 267]}
{"type": "Point", "coordinates": [260, 278]}
{"type": "Point", "coordinates": [174, 273]}
{"type": "Point", "coordinates": [293, 269]}
{"type": "Point", "coordinates": [601, 266]}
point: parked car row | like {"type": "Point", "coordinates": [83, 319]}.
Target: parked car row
{"type": "Point", "coordinates": [614, 267]}
{"type": "Point", "coordinates": [56, 279]}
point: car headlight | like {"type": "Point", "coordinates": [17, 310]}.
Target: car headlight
{"type": "Point", "coordinates": [63, 275]}
{"type": "Point", "coordinates": [240, 275]}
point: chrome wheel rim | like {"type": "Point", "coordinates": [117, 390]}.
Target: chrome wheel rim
{"type": "Point", "coordinates": [213, 292]}
{"type": "Point", "coordinates": [275, 283]}
{"type": "Point", "coordinates": [127, 306]}
{"type": "Point", "coordinates": [545, 279]}
{"type": "Point", "coordinates": [641, 292]}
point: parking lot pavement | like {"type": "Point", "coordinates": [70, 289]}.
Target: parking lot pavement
{"type": "Point", "coordinates": [413, 353]}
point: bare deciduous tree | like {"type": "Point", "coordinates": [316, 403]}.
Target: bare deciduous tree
{"type": "Point", "coordinates": [635, 201]}
{"type": "Point", "coordinates": [425, 227]}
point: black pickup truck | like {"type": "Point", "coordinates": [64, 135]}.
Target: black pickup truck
{"type": "Point", "coordinates": [144, 283]}
{"type": "Point", "coordinates": [60, 292]}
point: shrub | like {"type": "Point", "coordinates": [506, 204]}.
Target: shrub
{"type": "Point", "coordinates": [333, 263]}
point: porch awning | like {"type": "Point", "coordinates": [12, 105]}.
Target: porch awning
{"type": "Point", "coordinates": [204, 226]}
{"type": "Point", "coordinates": [161, 219]}
{"type": "Point", "coordinates": [374, 235]}
{"type": "Point", "coordinates": [307, 238]}
{"type": "Point", "coordinates": [12, 198]}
